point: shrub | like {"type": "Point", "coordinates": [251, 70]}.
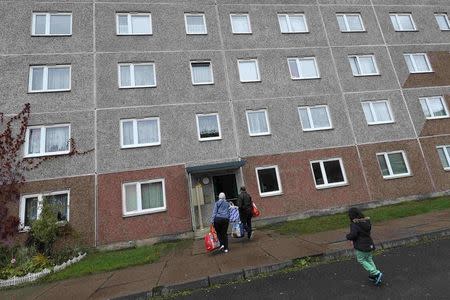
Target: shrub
{"type": "Point", "coordinates": [44, 231]}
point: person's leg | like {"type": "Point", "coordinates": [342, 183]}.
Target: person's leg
{"type": "Point", "coordinates": [218, 229]}
{"type": "Point", "coordinates": [225, 236]}
{"type": "Point", "coordinates": [243, 218]}
{"type": "Point", "coordinates": [249, 225]}
{"type": "Point", "coordinates": [374, 267]}
{"type": "Point", "coordinates": [363, 259]}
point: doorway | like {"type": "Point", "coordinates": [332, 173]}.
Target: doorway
{"type": "Point", "coordinates": [226, 184]}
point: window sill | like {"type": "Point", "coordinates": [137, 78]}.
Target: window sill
{"type": "Point", "coordinates": [136, 87]}
{"type": "Point", "coordinates": [415, 30]}
{"type": "Point", "coordinates": [354, 31]}
{"type": "Point", "coordinates": [46, 154]}
{"type": "Point", "coordinates": [367, 75]}
{"type": "Point", "coordinates": [196, 33]}
{"type": "Point", "coordinates": [250, 81]}
{"type": "Point", "coordinates": [141, 213]}
{"type": "Point", "coordinates": [210, 139]}
{"type": "Point", "coordinates": [49, 91]}
{"type": "Point", "coordinates": [317, 129]}
{"type": "Point", "coordinates": [438, 118]}
{"type": "Point", "coordinates": [52, 35]}
{"type": "Point", "coordinates": [203, 83]}
{"type": "Point", "coordinates": [397, 176]}
{"type": "Point", "coordinates": [421, 72]}
{"type": "Point", "coordinates": [26, 229]}
{"type": "Point", "coordinates": [243, 33]}
{"type": "Point", "coordinates": [381, 123]}
{"type": "Point", "coordinates": [296, 32]}
{"type": "Point", "coordinates": [139, 146]}
{"type": "Point", "coordinates": [259, 134]}
{"type": "Point", "coordinates": [271, 194]}
{"type": "Point", "coordinates": [309, 78]}
{"type": "Point", "coordinates": [134, 34]}
{"type": "Point", "coordinates": [329, 186]}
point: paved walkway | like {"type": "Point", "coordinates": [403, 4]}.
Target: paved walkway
{"type": "Point", "coordinates": [192, 263]}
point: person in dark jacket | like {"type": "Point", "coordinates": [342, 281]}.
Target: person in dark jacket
{"type": "Point", "coordinates": [244, 203]}
{"type": "Point", "coordinates": [220, 219]}
{"type": "Point", "coordinates": [362, 242]}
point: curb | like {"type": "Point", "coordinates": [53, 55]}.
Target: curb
{"type": "Point", "coordinates": [248, 273]}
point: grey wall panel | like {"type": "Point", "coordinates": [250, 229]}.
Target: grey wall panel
{"type": "Point", "coordinates": [410, 2]}
{"type": "Point", "coordinates": [344, 2]}
{"type": "Point", "coordinates": [267, 2]}
{"type": "Point", "coordinates": [197, 2]}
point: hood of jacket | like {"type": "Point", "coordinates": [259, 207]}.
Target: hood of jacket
{"type": "Point", "coordinates": [363, 224]}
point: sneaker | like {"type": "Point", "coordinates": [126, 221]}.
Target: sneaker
{"type": "Point", "coordinates": [226, 250]}
{"type": "Point", "coordinates": [372, 278]}
{"type": "Point", "coordinates": [221, 247]}
{"type": "Point", "coordinates": [378, 278]}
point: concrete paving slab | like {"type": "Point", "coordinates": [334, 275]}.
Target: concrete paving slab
{"type": "Point", "coordinates": [241, 258]}
{"type": "Point", "coordinates": [150, 272]}
{"type": "Point", "coordinates": [26, 293]}
{"type": "Point", "coordinates": [123, 289]}
{"type": "Point", "coordinates": [326, 236]}
{"type": "Point", "coordinates": [291, 248]}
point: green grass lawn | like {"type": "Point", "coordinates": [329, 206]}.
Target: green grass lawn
{"type": "Point", "coordinates": [384, 213]}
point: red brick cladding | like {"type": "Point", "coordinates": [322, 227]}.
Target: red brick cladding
{"type": "Point", "coordinates": [440, 176]}
{"type": "Point", "coordinates": [440, 62]}
{"type": "Point", "coordinates": [299, 191]}
{"type": "Point", "coordinates": [437, 126]}
{"type": "Point", "coordinates": [418, 183]}
{"type": "Point", "coordinates": [113, 227]}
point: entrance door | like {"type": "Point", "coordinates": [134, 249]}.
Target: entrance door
{"type": "Point", "coordinates": [227, 185]}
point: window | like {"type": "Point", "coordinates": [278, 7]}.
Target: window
{"type": "Point", "coordinates": [363, 65]}
{"type": "Point", "coordinates": [48, 24]}
{"type": "Point", "coordinates": [137, 75]}
{"type": "Point", "coordinates": [195, 23]}
{"type": "Point", "coordinates": [134, 24]}
{"type": "Point", "coordinates": [201, 72]}
{"type": "Point", "coordinates": [140, 132]}
{"type": "Point", "coordinates": [443, 22]}
{"type": "Point", "coordinates": [248, 70]}
{"type": "Point", "coordinates": [393, 164]}
{"type": "Point", "coordinates": [208, 127]}
{"type": "Point", "coordinates": [418, 63]}
{"type": "Point", "coordinates": [303, 68]}
{"type": "Point", "coordinates": [143, 197]}
{"type": "Point", "coordinates": [47, 140]}
{"type": "Point", "coordinates": [434, 107]}
{"type": "Point", "coordinates": [240, 23]}
{"type": "Point", "coordinates": [49, 78]}
{"type": "Point", "coordinates": [403, 22]}
{"type": "Point", "coordinates": [268, 181]}
{"type": "Point", "coordinates": [314, 117]}
{"type": "Point", "coordinates": [292, 23]}
{"type": "Point", "coordinates": [328, 173]}
{"type": "Point", "coordinates": [350, 22]}
{"type": "Point", "coordinates": [377, 112]}
{"type": "Point", "coordinates": [258, 122]}
{"type": "Point", "coordinates": [31, 207]}
{"type": "Point", "coordinates": [444, 155]}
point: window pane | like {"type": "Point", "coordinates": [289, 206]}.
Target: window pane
{"type": "Point", "coordinates": [354, 23]}
{"type": "Point", "coordinates": [123, 24]}
{"type": "Point", "coordinates": [140, 24]}
{"type": "Point", "coordinates": [59, 204]}
{"type": "Point", "coordinates": [127, 131]}
{"type": "Point", "coordinates": [367, 65]}
{"type": "Point", "coordinates": [130, 198]}
{"type": "Point", "coordinates": [405, 22]}
{"type": "Point", "coordinates": [444, 161]}
{"type": "Point", "coordinates": [437, 107]}
{"type": "Point", "coordinates": [201, 73]}
{"type": "Point", "coordinates": [195, 24]}
{"type": "Point", "coordinates": [293, 68]}
{"type": "Point", "coordinates": [395, 23]}
{"type": "Point", "coordinates": [60, 24]}
{"type": "Point", "coordinates": [409, 63]}
{"type": "Point", "coordinates": [152, 195]}
{"type": "Point", "coordinates": [383, 165]}
{"type": "Point", "coordinates": [58, 78]}
{"type": "Point", "coordinates": [304, 118]}
{"type": "Point", "coordinates": [143, 75]}
{"type": "Point", "coordinates": [318, 176]}
{"type": "Point", "coordinates": [368, 112]}
{"type": "Point", "coordinates": [125, 76]}
{"type": "Point", "coordinates": [57, 139]}
{"type": "Point", "coordinates": [397, 163]}
{"type": "Point", "coordinates": [38, 79]}
{"type": "Point", "coordinates": [354, 64]}
{"type": "Point", "coordinates": [240, 24]}
{"type": "Point", "coordinates": [442, 22]}
{"type": "Point", "coordinates": [148, 131]}
{"type": "Point", "coordinates": [268, 180]}
{"type": "Point", "coordinates": [381, 111]}
{"type": "Point", "coordinates": [341, 23]}
{"type": "Point", "coordinates": [308, 68]}
{"type": "Point", "coordinates": [34, 141]}
{"type": "Point", "coordinates": [298, 23]}
{"type": "Point", "coordinates": [248, 71]}
{"type": "Point", "coordinates": [282, 19]}
{"type": "Point", "coordinates": [421, 63]}
{"type": "Point", "coordinates": [320, 117]}
{"type": "Point", "coordinates": [423, 104]}
{"type": "Point", "coordinates": [333, 171]}
{"type": "Point", "coordinates": [39, 25]}
{"type": "Point", "coordinates": [208, 126]}
{"type": "Point", "coordinates": [31, 205]}
{"type": "Point", "coordinates": [257, 122]}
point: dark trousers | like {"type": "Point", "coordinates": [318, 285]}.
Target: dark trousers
{"type": "Point", "coordinates": [221, 227]}
{"type": "Point", "coordinates": [246, 219]}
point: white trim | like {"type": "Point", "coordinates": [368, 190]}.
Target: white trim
{"type": "Point", "coordinates": [388, 164]}
{"type": "Point", "coordinates": [432, 116]}
{"type": "Point", "coordinates": [195, 15]}
{"type": "Point", "coordinates": [248, 22]}
{"type": "Point", "coordinates": [129, 23]}
{"type": "Point", "coordinates": [446, 150]}
{"type": "Point", "coordinates": [446, 20]}
{"type": "Point", "coordinates": [311, 121]}
{"type": "Point", "coordinates": [372, 111]}
{"type": "Point", "coordinates": [326, 185]}
{"type": "Point", "coordinates": [347, 26]}
{"type": "Point", "coordinates": [272, 193]}
{"type": "Point", "coordinates": [287, 16]}
{"type": "Point", "coordinates": [266, 114]}
{"type": "Point", "coordinates": [210, 68]}
{"type": "Point", "coordinates": [139, 210]}
{"type": "Point", "coordinates": [132, 79]}
{"type": "Point", "coordinates": [297, 62]}
{"type": "Point", "coordinates": [45, 78]}
{"type": "Point", "coordinates": [400, 29]}
{"type": "Point", "coordinates": [257, 69]}
{"type": "Point", "coordinates": [135, 133]}
{"type": "Point", "coordinates": [377, 72]}
{"type": "Point", "coordinates": [218, 125]}
{"type": "Point", "coordinates": [414, 65]}
{"type": "Point", "coordinates": [47, 23]}
{"type": "Point", "coordinates": [43, 137]}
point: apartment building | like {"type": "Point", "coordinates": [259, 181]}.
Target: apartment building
{"type": "Point", "coordinates": [311, 104]}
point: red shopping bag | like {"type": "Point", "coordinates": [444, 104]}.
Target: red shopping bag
{"type": "Point", "coordinates": [255, 210]}
{"type": "Point", "coordinates": [211, 240]}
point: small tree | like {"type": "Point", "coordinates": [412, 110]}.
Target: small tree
{"type": "Point", "coordinates": [44, 231]}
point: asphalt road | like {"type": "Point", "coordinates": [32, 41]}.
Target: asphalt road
{"type": "Point", "coordinates": [415, 272]}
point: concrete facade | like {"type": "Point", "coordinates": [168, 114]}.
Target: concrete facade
{"type": "Point", "coordinates": [95, 104]}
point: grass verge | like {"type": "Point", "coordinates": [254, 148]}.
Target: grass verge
{"type": "Point", "coordinates": [383, 213]}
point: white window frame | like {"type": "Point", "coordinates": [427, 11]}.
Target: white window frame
{"type": "Point", "coordinates": [139, 210]}
{"type": "Point", "coordinates": [396, 15]}
{"type": "Point", "coordinates": [248, 22]}
{"type": "Point", "coordinates": [446, 154]}
{"type": "Point", "coordinates": [444, 103]}
{"type": "Point", "coordinates": [357, 56]}
{"type": "Point", "coordinates": [45, 79]}
{"type": "Point", "coordinates": [327, 185]}
{"type": "Point", "coordinates": [388, 164]}
{"type": "Point", "coordinates": [129, 24]}
{"type": "Point", "coordinates": [288, 15]}
{"type": "Point", "coordinates": [257, 69]}
{"type": "Point", "coordinates": [40, 197]}
{"type": "Point", "coordinates": [132, 79]}
{"type": "Point", "coordinates": [218, 126]}
{"type": "Point", "coordinates": [297, 61]}
{"type": "Point", "coordinates": [347, 27]}
{"type": "Point", "coordinates": [135, 133]}
{"type": "Point", "coordinates": [43, 136]}
{"type": "Point", "coordinates": [311, 121]}
{"type": "Point", "coordinates": [413, 62]}
{"type": "Point", "coordinates": [201, 62]}
{"type": "Point", "coordinates": [273, 193]}
{"type": "Point", "coordinates": [446, 19]}
{"type": "Point", "coordinates": [372, 111]}
{"type": "Point", "coordinates": [197, 15]}
{"type": "Point", "coordinates": [47, 23]}
{"type": "Point", "coordinates": [266, 114]}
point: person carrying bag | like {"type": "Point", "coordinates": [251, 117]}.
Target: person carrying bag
{"type": "Point", "coordinates": [221, 219]}
{"type": "Point", "coordinates": [245, 205]}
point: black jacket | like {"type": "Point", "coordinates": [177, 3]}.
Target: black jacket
{"type": "Point", "coordinates": [360, 235]}
{"type": "Point", "coordinates": [244, 201]}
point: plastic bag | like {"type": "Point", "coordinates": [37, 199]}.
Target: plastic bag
{"type": "Point", "coordinates": [211, 240]}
